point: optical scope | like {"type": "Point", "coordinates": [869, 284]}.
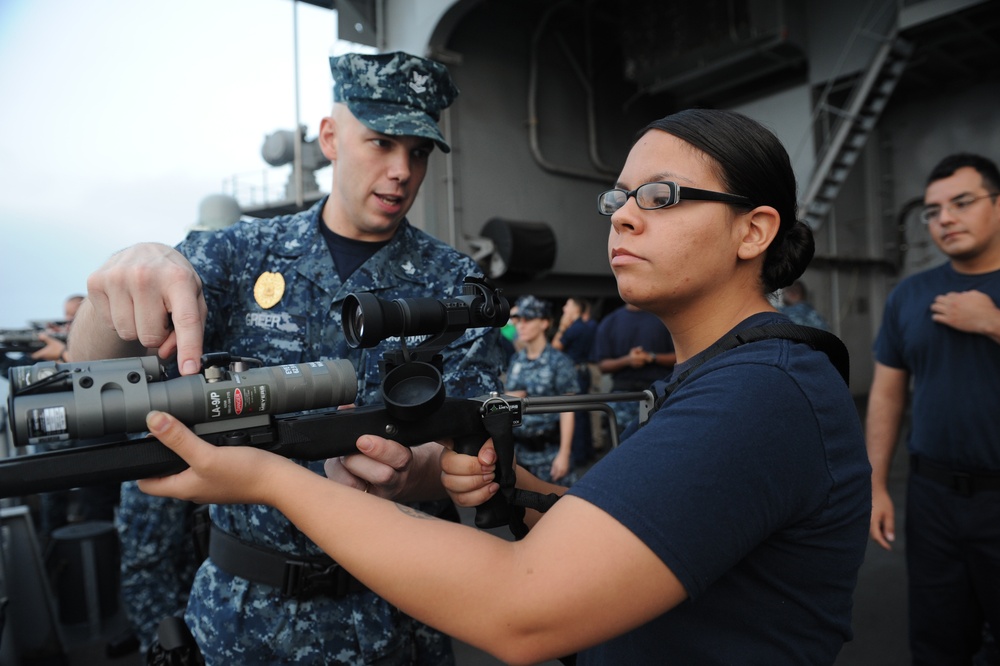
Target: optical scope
{"type": "Point", "coordinates": [53, 402]}
{"type": "Point", "coordinates": [368, 319]}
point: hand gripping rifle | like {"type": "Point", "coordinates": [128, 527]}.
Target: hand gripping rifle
{"type": "Point", "coordinates": [24, 340]}
{"type": "Point", "coordinates": [93, 413]}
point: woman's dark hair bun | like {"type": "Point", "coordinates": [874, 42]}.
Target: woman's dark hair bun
{"type": "Point", "coordinates": [788, 256]}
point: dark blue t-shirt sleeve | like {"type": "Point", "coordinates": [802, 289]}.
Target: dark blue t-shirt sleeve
{"type": "Point", "coordinates": [888, 345]}
{"type": "Point", "coordinates": [731, 458]}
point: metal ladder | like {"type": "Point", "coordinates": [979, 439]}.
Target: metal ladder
{"type": "Point", "coordinates": [854, 123]}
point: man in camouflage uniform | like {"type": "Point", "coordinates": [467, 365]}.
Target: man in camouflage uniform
{"type": "Point", "coordinates": [543, 444]}
{"type": "Point", "coordinates": [273, 289]}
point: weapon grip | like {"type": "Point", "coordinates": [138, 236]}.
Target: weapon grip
{"type": "Point", "coordinates": [495, 512]}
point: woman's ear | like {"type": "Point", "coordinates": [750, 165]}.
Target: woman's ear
{"type": "Point", "coordinates": [760, 227]}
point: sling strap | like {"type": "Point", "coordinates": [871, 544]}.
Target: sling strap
{"type": "Point", "coordinates": [818, 339]}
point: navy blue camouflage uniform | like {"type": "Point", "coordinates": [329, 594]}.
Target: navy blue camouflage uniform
{"type": "Point", "coordinates": [158, 558]}
{"type": "Point", "coordinates": [804, 315]}
{"type": "Point", "coordinates": [552, 373]}
{"type": "Point", "coordinates": [233, 620]}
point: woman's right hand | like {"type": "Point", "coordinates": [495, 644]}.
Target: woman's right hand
{"type": "Point", "coordinates": [470, 480]}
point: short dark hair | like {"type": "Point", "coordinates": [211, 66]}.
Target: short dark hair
{"type": "Point", "coordinates": [750, 162]}
{"type": "Point", "coordinates": [583, 303]}
{"type": "Point", "coordinates": [952, 163]}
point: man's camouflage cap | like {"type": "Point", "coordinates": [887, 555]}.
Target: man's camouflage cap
{"type": "Point", "coordinates": [532, 307]}
{"type": "Point", "coordinates": [394, 93]}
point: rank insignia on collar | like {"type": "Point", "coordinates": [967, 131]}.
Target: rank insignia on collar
{"type": "Point", "coordinates": [268, 289]}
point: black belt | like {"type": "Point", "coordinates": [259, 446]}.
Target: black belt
{"type": "Point", "coordinates": [300, 578]}
{"type": "Point", "coordinates": [964, 483]}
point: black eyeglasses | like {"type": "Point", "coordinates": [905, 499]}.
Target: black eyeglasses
{"type": "Point", "coordinates": [663, 194]}
{"type": "Point", "coordinates": [957, 207]}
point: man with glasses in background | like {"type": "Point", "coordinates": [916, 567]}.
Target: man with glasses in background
{"type": "Point", "coordinates": [941, 329]}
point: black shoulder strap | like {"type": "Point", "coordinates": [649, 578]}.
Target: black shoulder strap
{"type": "Point", "coordinates": [818, 339]}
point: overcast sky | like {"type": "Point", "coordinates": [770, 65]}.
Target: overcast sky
{"type": "Point", "coordinates": [119, 116]}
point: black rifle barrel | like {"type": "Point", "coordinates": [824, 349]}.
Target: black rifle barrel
{"type": "Point", "coordinates": [307, 436]}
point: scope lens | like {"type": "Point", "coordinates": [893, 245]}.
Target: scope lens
{"type": "Point", "coordinates": [363, 320]}
{"type": "Point", "coordinates": [359, 321]}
